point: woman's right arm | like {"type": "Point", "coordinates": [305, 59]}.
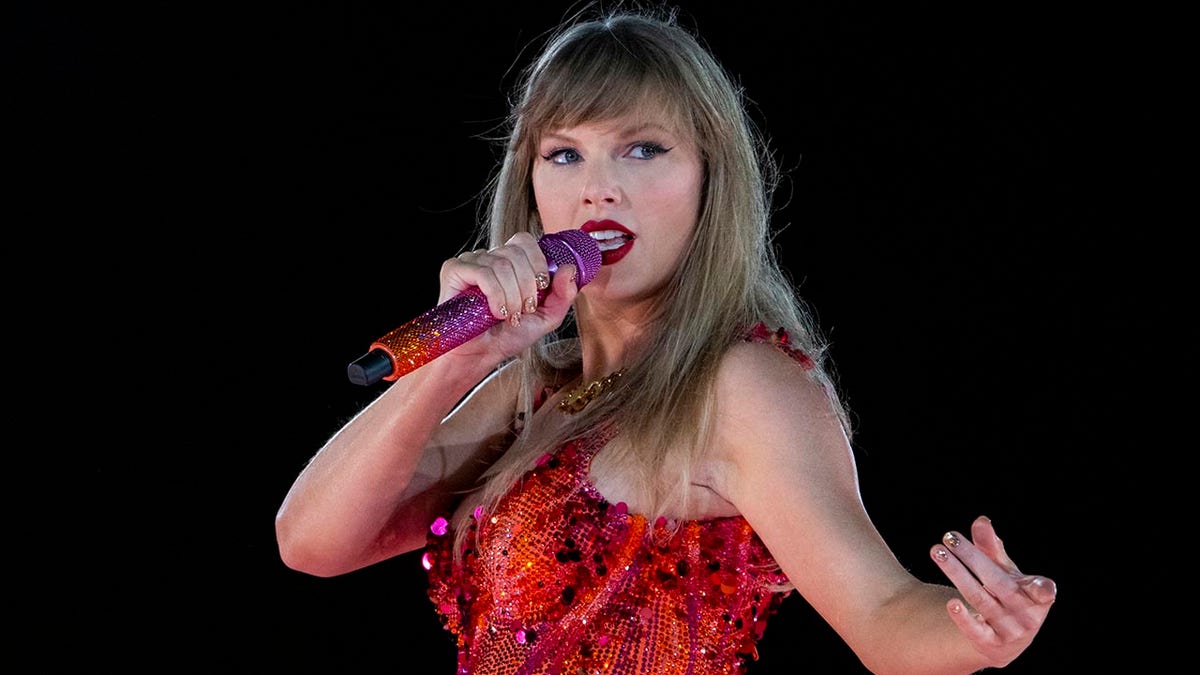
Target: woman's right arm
{"type": "Point", "coordinates": [372, 490]}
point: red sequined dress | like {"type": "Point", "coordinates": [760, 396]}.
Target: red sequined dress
{"type": "Point", "coordinates": [562, 581]}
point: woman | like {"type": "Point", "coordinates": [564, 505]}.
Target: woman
{"type": "Point", "coordinates": [629, 476]}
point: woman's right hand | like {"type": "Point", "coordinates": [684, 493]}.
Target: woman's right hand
{"type": "Point", "coordinates": [512, 277]}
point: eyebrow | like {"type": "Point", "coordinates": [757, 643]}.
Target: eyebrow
{"type": "Point", "coordinates": [621, 131]}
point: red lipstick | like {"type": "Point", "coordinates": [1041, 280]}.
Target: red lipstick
{"type": "Point", "coordinates": [614, 240]}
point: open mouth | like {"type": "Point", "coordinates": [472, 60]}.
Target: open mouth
{"type": "Point", "coordinates": [613, 240]}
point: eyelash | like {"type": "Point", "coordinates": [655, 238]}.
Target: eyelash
{"type": "Point", "coordinates": [654, 149]}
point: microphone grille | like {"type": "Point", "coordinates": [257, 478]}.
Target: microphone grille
{"type": "Point", "coordinates": [573, 247]}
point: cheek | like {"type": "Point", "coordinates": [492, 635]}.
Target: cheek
{"type": "Point", "coordinates": [681, 192]}
{"type": "Point", "coordinates": [676, 201]}
{"type": "Point", "coordinates": [547, 197]}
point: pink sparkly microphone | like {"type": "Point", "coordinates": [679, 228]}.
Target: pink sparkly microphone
{"type": "Point", "coordinates": [464, 316]}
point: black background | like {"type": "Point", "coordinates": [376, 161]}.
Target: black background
{"type": "Point", "coordinates": [248, 196]}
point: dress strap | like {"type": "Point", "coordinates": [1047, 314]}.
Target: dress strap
{"type": "Point", "coordinates": [779, 337]}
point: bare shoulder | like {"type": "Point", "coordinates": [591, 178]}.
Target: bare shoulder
{"type": "Point", "coordinates": [760, 381]}
{"type": "Point", "coordinates": [773, 418]}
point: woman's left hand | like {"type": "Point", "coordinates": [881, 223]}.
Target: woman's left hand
{"type": "Point", "coordinates": [1004, 608]}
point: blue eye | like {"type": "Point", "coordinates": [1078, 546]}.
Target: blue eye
{"type": "Point", "coordinates": [648, 151]}
{"type": "Point", "coordinates": [562, 156]}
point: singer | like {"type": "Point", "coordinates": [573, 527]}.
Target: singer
{"type": "Point", "coordinates": [637, 496]}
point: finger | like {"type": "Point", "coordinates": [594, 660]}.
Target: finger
{"type": "Point", "coordinates": [968, 584]}
{"type": "Point", "coordinates": [993, 576]}
{"type": "Point", "coordinates": [510, 265]}
{"type": "Point", "coordinates": [970, 622]}
{"type": "Point", "coordinates": [535, 256]}
{"type": "Point", "coordinates": [1036, 588]}
{"type": "Point", "coordinates": [541, 278]}
{"type": "Point", "coordinates": [515, 276]}
{"type": "Point", "coordinates": [1039, 589]}
{"type": "Point", "coordinates": [567, 276]}
{"type": "Point", "coordinates": [530, 269]}
{"type": "Point", "coordinates": [487, 271]}
{"type": "Point", "coordinates": [461, 273]}
{"type": "Point", "coordinates": [983, 535]}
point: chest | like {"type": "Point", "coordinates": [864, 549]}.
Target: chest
{"type": "Point", "coordinates": [616, 473]}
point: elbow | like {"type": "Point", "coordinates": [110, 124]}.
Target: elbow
{"type": "Point", "coordinates": [302, 560]}
{"type": "Point", "coordinates": [303, 553]}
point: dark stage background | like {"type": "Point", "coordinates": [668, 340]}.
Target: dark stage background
{"type": "Point", "coordinates": [263, 190]}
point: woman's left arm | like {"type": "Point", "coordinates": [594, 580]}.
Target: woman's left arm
{"type": "Point", "coordinates": [789, 469]}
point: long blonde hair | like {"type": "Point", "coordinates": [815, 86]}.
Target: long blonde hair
{"type": "Point", "coordinates": [598, 69]}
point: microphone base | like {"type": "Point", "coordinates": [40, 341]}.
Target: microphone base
{"type": "Point", "coordinates": [369, 368]}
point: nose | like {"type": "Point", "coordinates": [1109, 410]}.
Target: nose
{"type": "Point", "coordinates": [601, 186]}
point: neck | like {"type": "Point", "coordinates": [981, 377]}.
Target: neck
{"type": "Point", "coordinates": [607, 342]}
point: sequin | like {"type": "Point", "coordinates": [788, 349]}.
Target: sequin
{"type": "Point", "coordinates": [780, 338]}
{"type": "Point", "coordinates": [600, 597]}
{"type": "Point", "coordinates": [561, 581]}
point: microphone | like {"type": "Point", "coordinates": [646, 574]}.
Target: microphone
{"type": "Point", "coordinates": [464, 316]}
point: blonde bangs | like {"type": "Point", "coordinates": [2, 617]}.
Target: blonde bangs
{"type": "Point", "coordinates": [600, 79]}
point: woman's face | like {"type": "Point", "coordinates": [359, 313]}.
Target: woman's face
{"type": "Point", "coordinates": [634, 185]}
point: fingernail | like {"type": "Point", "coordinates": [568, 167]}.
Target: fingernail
{"type": "Point", "coordinates": [956, 607]}
{"type": "Point", "coordinates": [504, 311]}
{"type": "Point", "coordinates": [951, 540]}
{"type": "Point", "coordinates": [530, 305]}
{"type": "Point", "coordinates": [514, 320]}
{"type": "Point", "coordinates": [941, 554]}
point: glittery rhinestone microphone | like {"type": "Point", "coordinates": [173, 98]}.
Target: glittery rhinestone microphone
{"type": "Point", "coordinates": [464, 316]}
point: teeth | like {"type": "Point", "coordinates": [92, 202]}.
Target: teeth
{"type": "Point", "coordinates": [608, 240]}
{"type": "Point", "coordinates": [601, 235]}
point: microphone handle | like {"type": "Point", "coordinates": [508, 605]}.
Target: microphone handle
{"type": "Point", "coordinates": [426, 337]}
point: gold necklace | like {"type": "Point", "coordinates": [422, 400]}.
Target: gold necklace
{"type": "Point", "coordinates": [584, 394]}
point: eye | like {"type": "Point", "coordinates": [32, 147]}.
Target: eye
{"type": "Point", "coordinates": [562, 156]}
{"type": "Point", "coordinates": [647, 150]}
